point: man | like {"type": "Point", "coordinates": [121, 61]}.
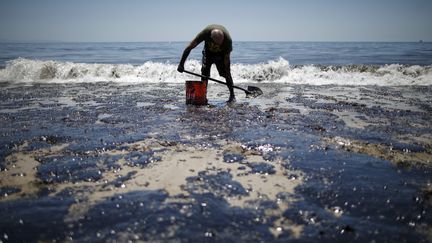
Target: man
{"type": "Point", "coordinates": [217, 49]}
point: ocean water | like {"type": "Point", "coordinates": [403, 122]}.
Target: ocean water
{"type": "Point", "coordinates": [315, 63]}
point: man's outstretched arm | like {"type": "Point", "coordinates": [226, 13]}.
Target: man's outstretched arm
{"type": "Point", "coordinates": [186, 52]}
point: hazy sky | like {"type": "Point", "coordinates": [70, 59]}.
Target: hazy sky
{"type": "Point", "coordinates": [251, 20]}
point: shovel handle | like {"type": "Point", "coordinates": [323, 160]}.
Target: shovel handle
{"type": "Point", "coordinates": [215, 80]}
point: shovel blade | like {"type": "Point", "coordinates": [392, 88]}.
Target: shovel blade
{"type": "Point", "coordinates": [253, 91]}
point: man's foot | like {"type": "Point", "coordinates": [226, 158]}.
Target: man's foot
{"type": "Point", "coordinates": [231, 99]}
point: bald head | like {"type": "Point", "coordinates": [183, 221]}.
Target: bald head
{"type": "Point", "coordinates": [217, 36]}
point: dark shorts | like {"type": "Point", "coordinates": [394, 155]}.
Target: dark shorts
{"type": "Point", "coordinates": [209, 60]}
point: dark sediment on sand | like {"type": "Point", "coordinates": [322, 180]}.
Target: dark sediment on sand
{"type": "Point", "coordinates": [100, 162]}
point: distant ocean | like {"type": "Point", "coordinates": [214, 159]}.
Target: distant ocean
{"type": "Point", "coordinates": [315, 63]}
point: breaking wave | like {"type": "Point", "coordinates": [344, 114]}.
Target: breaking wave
{"type": "Point", "coordinates": [23, 70]}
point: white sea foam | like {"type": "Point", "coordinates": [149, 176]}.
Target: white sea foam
{"type": "Point", "coordinates": [278, 71]}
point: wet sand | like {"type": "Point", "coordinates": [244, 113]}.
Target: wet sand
{"type": "Point", "coordinates": [108, 162]}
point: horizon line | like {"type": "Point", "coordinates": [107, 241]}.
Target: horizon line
{"type": "Point", "coordinates": [182, 41]}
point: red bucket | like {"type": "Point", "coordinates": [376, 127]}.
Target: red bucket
{"type": "Point", "coordinates": [196, 92]}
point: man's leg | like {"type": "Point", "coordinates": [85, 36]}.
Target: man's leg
{"type": "Point", "coordinates": [205, 69]}
{"type": "Point", "coordinates": [221, 69]}
{"type": "Point", "coordinates": [205, 65]}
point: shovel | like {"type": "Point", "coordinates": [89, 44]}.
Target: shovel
{"type": "Point", "coordinates": [251, 91]}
